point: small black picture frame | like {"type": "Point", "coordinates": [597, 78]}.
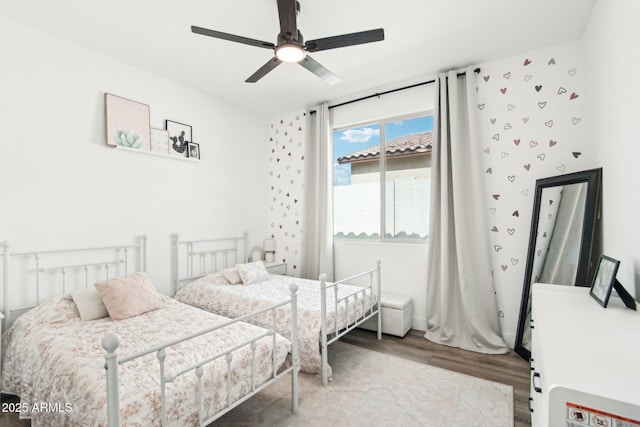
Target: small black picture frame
{"type": "Point", "coordinates": [604, 279]}
{"type": "Point", "coordinates": [194, 150]}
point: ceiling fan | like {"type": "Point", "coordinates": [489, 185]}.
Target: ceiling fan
{"type": "Point", "coordinates": [290, 45]}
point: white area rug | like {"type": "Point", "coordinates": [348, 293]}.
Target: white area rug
{"type": "Point", "coordinates": [374, 389]}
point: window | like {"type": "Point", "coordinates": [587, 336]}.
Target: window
{"type": "Point", "coordinates": [400, 175]}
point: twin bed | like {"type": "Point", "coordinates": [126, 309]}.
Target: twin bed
{"type": "Point", "coordinates": [133, 356]}
{"type": "Point", "coordinates": [219, 280]}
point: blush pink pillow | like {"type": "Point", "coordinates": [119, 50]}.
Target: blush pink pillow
{"type": "Point", "coordinates": [129, 295]}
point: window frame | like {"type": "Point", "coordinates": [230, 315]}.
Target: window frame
{"type": "Point", "coordinates": [383, 171]}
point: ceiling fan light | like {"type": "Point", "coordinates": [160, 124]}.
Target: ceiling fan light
{"type": "Point", "coordinates": [290, 53]}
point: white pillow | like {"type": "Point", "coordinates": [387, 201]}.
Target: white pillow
{"type": "Point", "coordinates": [89, 303]}
{"type": "Point", "coordinates": [130, 295]}
{"type": "Point", "coordinates": [252, 272]}
{"type": "Point", "coordinates": [232, 275]}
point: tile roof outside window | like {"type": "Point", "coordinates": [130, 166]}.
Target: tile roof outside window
{"type": "Point", "coordinates": [417, 143]}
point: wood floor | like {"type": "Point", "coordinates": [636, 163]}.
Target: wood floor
{"type": "Point", "coordinates": [508, 369]}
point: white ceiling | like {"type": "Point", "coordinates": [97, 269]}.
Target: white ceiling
{"type": "Point", "coordinates": [422, 37]}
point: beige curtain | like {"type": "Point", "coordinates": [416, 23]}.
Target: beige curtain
{"type": "Point", "coordinates": [317, 218]}
{"type": "Point", "coordinates": [461, 301]}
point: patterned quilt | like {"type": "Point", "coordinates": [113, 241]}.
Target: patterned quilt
{"type": "Point", "coordinates": [212, 294]}
{"type": "Point", "coordinates": [55, 362]}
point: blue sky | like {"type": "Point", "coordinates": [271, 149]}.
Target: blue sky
{"type": "Point", "coordinates": [354, 139]}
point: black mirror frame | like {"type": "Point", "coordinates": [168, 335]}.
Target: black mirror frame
{"type": "Point", "coordinates": [585, 269]}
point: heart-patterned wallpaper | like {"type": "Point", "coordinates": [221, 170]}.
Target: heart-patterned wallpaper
{"type": "Point", "coordinates": [286, 160]}
{"type": "Point", "coordinates": [533, 126]}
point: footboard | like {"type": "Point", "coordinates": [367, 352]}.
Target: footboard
{"type": "Point", "coordinates": [111, 342]}
{"type": "Point", "coordinates": [372, 289]}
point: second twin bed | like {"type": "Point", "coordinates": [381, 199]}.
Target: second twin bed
{"type": "Point", "coordinates": [219, 280]}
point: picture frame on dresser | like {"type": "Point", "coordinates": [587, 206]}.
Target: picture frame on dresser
{"type": "Point", "coordinates": [604, 279]}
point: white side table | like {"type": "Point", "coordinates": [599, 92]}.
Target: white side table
{"type": "Point", "coordinates": [276, 268]}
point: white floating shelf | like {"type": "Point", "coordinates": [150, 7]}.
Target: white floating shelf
{"type": "Point", "coordinates": [153, 153]}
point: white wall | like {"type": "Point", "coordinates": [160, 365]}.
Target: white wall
{"type": "Point", "coordinates": [63, 187]}
{"type": "Point", "coordinates": [611, 55]}
{"type": "Point", "coordinates": [403, 269]}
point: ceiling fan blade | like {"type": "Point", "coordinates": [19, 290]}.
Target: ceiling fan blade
{"type": "Point", "coordinates": [314, 66]}
{"type": "Point", "coordinates": [345, 40]}
{"type": "Point", "coordinates": [231, 37]}
{"type": "Point", "coordinates": [270, 65]}
{"type": "Point", "coordinates": [287, 14]}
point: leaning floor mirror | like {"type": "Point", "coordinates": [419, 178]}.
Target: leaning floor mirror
{"type": "Point", "coordinates": [566, 210]}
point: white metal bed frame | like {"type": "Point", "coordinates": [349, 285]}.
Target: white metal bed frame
{"type": "Point", "coordinates": [329, 337]}
{"type": "Point", "coordinates": [197, 256]}
{"type": "Point", "coordinates": [197, 261]}
{"type": "Point", "coordinates": [121, 253]}
{"type": "Point", "coordinates": [111, 341]}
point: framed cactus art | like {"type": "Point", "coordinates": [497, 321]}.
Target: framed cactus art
{"type": "Point", "coordinates": [180, 135]}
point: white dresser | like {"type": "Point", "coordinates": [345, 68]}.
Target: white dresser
{"type": "Point", "coordinates": [585, 360]}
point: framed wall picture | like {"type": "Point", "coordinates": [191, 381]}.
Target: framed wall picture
{"type": "Point", "coordinates": [179, 137]}
{"type": "Point", "coordinates": [159, 141]}
{"type": "Point", "coordinates": [604, 279]}
{"type": "Point", "coordinates": [127, 123]}
{"type": "Point", "coordinates": [194, 150]}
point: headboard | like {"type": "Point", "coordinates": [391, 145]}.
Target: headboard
{"type": "Point", "coordinates": [31, 277]}
{"type": "Point", "coordinates": [192, 259]}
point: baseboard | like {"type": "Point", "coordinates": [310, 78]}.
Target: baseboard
{"type": "Point", "coordinates": [510, 339]}
{"type": "Point", "coordinates": [419, 324]}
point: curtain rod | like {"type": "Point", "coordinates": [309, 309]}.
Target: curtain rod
{"type": "Point", "coordinates": [477, 70]}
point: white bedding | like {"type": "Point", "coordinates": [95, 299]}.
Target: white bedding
{"type": "Point", "coordinates": [212, 294]}
{"type": "Point", "coordinates": [52, 357]}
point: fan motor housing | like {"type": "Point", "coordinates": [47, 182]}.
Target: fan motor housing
{"type": "Point", "coordinates": [281, 40]}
